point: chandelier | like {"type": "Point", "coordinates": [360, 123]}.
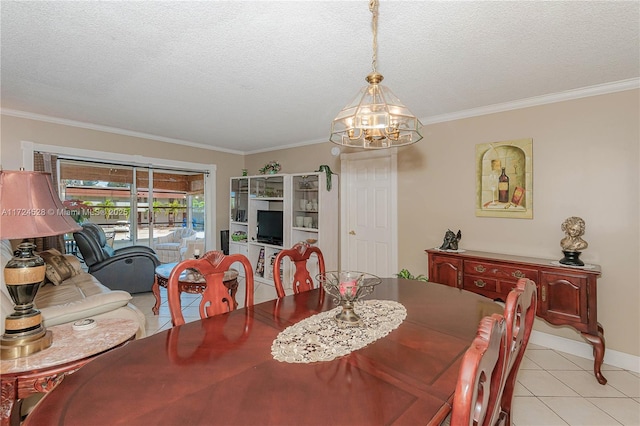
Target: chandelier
{"type": "Point", "coordinates": [376, 118]}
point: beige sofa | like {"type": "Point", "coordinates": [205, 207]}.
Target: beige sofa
{"type": "Point", "coordinates": [76, 297]}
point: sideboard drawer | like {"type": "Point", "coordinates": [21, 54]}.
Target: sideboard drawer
{"type": "Point", "coordinates": [499, 271]}
{"type": "Point", "coordinates": [479, 284]}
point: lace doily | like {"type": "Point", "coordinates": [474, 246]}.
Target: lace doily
{"type": "Point", "coordinates": [318, 338]}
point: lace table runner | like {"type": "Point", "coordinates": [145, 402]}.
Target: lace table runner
{"type": "Point", "coordinates": [318, 337]}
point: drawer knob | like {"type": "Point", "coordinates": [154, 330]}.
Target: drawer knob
{"type": "Point", "coordinates": [480, 268]}
{"type": "Point", "coordinates": [544, 292]}
{"type": "Point", "coordinates": [479, 283]}
{"type": "Point", "coordinates": [518, 274]}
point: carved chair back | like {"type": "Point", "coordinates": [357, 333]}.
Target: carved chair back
{"type": "Point", "coordinates": [519, 313]}
{"type": "Point", "coordinates": [481, 374]}
{"type": "Point", "coordinates": [216, 298]}
{"type": "Point", "coordinates": [299, 255]}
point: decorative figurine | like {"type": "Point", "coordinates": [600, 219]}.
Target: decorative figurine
{"type": "Point", "coordinates": [451, 240]}
{"type": "Point", "coordinates": [572, 244]}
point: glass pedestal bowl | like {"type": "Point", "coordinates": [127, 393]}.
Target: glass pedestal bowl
{"type": "Point", "coordinates": [347, 288]}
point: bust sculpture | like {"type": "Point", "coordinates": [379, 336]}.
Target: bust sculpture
{"type": "Point", "coordinates": [451, 240]}
{"type": "Point", "coordinates": [573, 228]}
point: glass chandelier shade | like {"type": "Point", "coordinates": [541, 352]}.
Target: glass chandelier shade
{"type": "Point", "coordinates": [376, 118]}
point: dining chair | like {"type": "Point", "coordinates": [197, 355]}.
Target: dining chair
{"type": "Point", "coordinates": [216, 298]}
{"type": "Point", "coordinates": [481, 375]}
{"type": "Point", "coordinates": [299, 255]}
{"type": "Point", "coordinates": [519, 314]}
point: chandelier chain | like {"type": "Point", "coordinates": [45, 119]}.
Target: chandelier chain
{"type": "Point", "coordinates": [373, 7]}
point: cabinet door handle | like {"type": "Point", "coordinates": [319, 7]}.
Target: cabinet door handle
{"type": "Point", "coordinates": [352, 232]}
{"type": "Point", "coordinates": [480, 268]}
{"type": "Point", "coordinates": [543, 290]}
{"type": "Point", "coordinates": [479, 283]}
{"type": "Point", "coordinates": [518, 274]}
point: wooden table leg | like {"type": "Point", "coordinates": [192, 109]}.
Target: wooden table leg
{"type": "Point", "coordinates": [232, 285]}
{"type": "Point", "coordinates": [598, 352]}
{"type": "Point", "coordinates": [8, 415]}
{"type": "Point", "coordinates": [155, 288]}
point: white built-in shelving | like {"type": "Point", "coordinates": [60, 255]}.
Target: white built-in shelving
{"type": "Point", "coordinates": [309, 213]}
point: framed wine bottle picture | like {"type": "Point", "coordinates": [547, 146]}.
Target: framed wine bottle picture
{"type": "Point", "coordinates": [504, 179]}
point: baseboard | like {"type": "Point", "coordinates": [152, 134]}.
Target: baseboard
{"type": "Point", "coordinates": [585, 350]}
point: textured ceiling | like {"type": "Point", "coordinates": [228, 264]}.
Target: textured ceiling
{"type": "Point", "coordinates": [249, 76]}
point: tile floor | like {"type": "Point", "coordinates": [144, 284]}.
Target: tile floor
{"type": "Point", "coordinates": [554, 388]}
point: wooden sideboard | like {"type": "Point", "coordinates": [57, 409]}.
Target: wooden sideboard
{"type": "Point", "coordinates": [566, 295]}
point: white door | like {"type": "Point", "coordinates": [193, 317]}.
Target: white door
{"type": "Point", "coordinates": [369, 213]}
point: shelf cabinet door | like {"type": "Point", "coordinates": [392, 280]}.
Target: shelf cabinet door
{"type": "Point", "coordinates": [562, 299]}
{"type": "Point", "coordinates": [305, 205]}
{"type": "Point", "coordinates": [446, 270]}
{"type": "Point", "coordinates": [238, 210]}
{"type": "Point", "coordinates": [239, 199]}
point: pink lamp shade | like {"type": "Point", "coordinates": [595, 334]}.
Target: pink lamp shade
{"type": "Point", "coordinates": [30, 207]}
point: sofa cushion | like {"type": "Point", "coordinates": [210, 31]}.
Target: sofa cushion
{"type": "Point", "coordinates": [76, 266]}
{"type": "Point", "coordinates": [80, 296]}
{"type": "Point", "coordinates": [60, 267]}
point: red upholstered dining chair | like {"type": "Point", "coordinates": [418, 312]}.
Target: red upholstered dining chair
{"type": "Point", "coordinates": [299, 255]}
{"type": "Point", "coordinates": [481, 375]}
{"type": "Point", "coordinates": [519, 314]}
{"type": "Point", "coordinates": [216, 298]}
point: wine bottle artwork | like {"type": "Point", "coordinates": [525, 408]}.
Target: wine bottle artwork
{"type": "Point", "coordinates": [503, 187]}
{"type": "Point", "coordinates": [504, 179]}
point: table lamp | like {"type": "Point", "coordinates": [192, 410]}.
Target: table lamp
{"type": "Point", "coordinates": [29, 208]}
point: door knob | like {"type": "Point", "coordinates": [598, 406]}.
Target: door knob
{"type": "Point", "coordinates": [352, 232]}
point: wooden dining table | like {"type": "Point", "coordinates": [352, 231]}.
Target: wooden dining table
{"type": "Point", "coordinates": [220, 370]}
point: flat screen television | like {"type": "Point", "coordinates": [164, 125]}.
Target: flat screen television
{"type": "Point", "coordinates": [269, 227]}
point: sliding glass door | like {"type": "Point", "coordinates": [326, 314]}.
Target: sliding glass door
{"type": "Point", "coordinates": [101, 194]}
{"type": "Point", "coordinates": [133, 204]}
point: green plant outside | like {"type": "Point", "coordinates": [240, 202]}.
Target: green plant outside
{"type": "Point", "coordinates": [108, 205]}
{"type": "Point", "coordinates": [175, 207]}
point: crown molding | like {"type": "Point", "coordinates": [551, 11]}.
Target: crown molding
{"type": "Point", "coordinates": [584, 92]}
{"type": "Point", "coordinates": [108, 129]}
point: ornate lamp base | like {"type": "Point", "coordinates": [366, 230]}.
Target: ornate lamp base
{"type": "Point", "coordinates": [24, 332]}
{"type": "Point", "coordinates": [12, 347]}
{"type": "Point", "coordinates": [571, 258]}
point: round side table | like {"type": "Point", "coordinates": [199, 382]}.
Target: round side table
{"type": "Point", "coordinates": [190, 283]}
{"type": "Point", "coordinates": [71, 349]}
